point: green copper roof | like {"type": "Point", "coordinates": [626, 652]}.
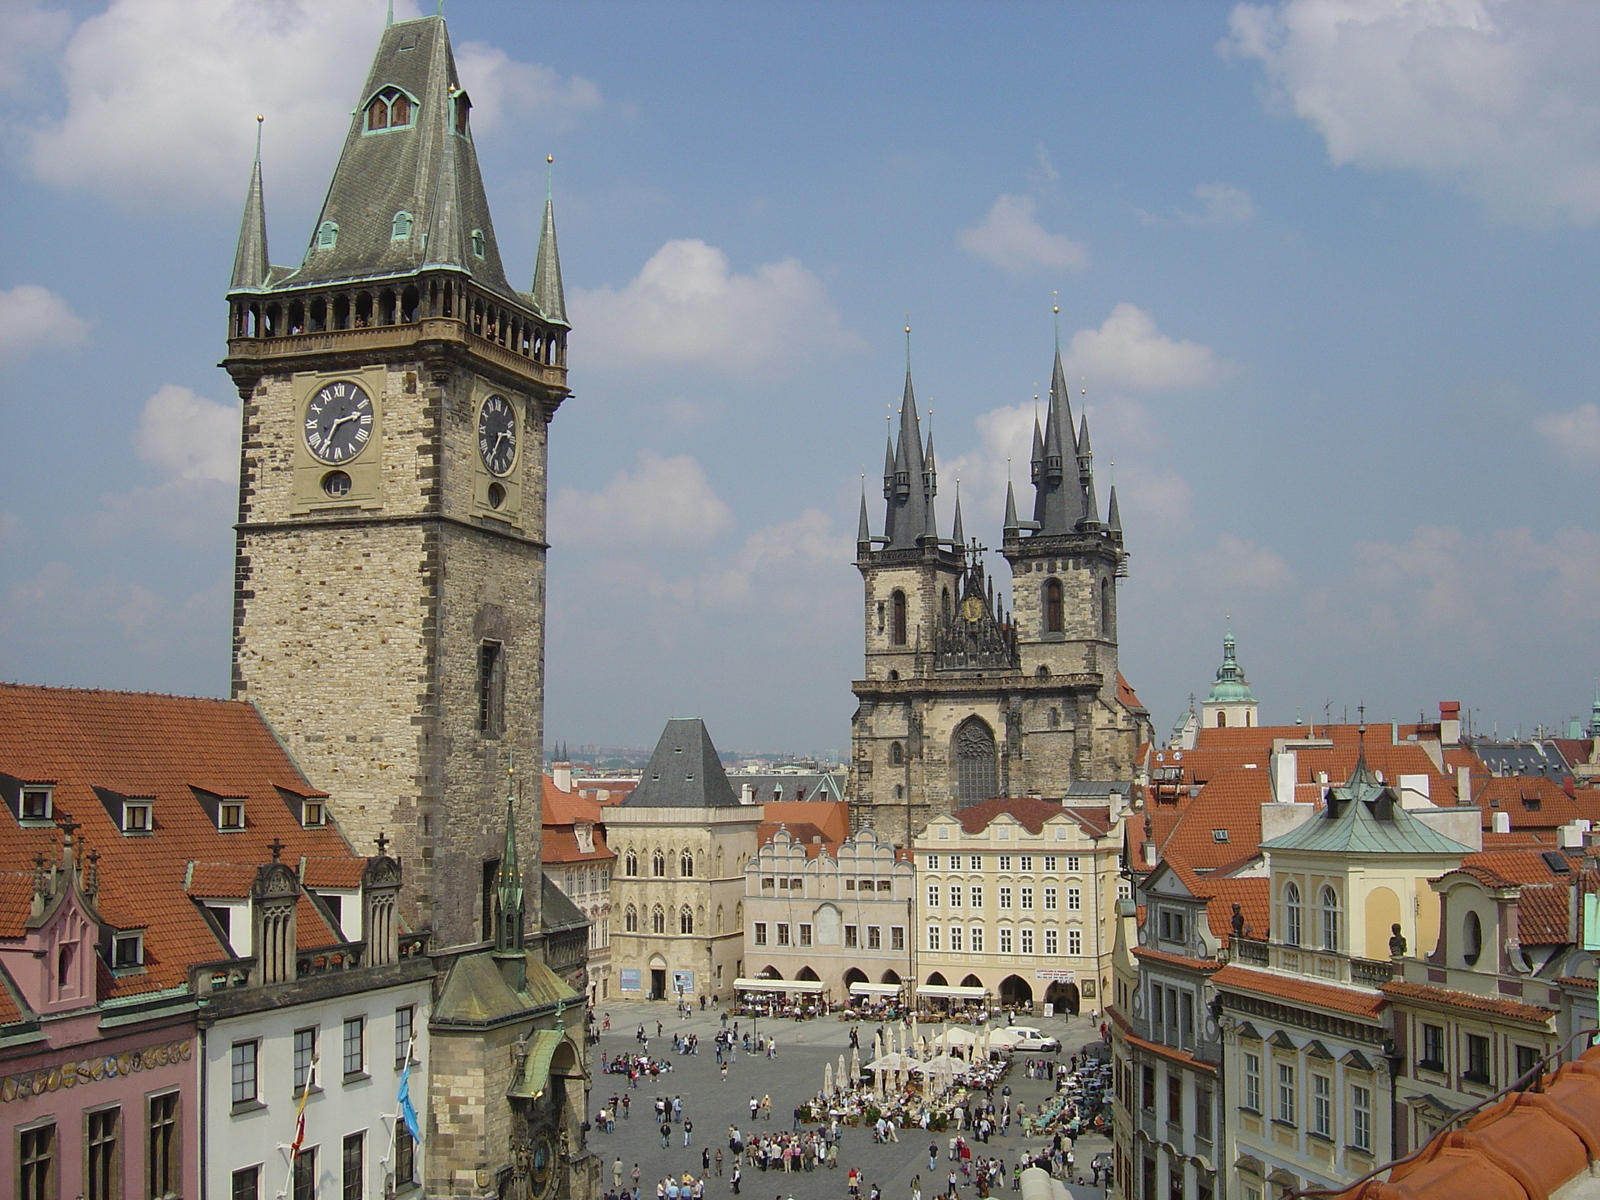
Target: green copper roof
{"type": "Point", "coordinates": [1364, 817]}
{"type": "Point", "coordinates": [1231, 686]}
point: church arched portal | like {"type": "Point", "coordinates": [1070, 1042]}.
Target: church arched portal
{"type": "Point", "coordinates": [1064, 996]}
{"type": "Point", "coordinates": [973, 749]}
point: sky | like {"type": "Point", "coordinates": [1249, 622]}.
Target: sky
{"type": "Point", "coordinates": [1326, 270]}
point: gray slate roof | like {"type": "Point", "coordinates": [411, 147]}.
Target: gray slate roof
{"type": "Point", "coordinates": [815, 786]}
{"type": "Point", "coordinates": [684, 771]}
{"type": "Point", "coordinates": [425, 169]}
{"type": "Point", "coordinates": [557, 911]}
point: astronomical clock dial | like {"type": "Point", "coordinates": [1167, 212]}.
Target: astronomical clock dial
{"type": "Point", "coordinates": [338, 422]}
{"type": "Point", "coordinates": [971, 609]}
{"type": "Point", "coordinates": [542, 1172]}
{"type": "Point", "coordinates": [497, 435]}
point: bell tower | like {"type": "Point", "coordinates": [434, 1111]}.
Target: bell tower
{"type": "Point", "coordinates": [389, 582]}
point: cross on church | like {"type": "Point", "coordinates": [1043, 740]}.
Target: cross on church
{"type": "Point", "coordinates": [382, 842]}
{"type": "Point", "coordinates": [276, 847]}
{"type": "Point", "coordinates": [70, 827]}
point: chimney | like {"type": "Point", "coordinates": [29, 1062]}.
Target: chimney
{"type": "Point", "coordinates": [1450, 722]}
{"type": "Point", "coordinates": [1500, 822]}
{"type": "Point", "coordinates": [747, 794]}
{"type": "Point", "coordinates": [1394, 733]}
{"type": "Point", "coordinates": [1569, 836]}
{"type": "Point", "coordinates": [1283, 776]}
{"type": "Point", "coordinates": [1463, 785]}
{"type": "Point", "coordinates": [562, 772]}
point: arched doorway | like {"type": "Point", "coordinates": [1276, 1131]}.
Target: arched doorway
{"type": "Point", "coordinates": [770, 972]}
{"type": "Point", "coordinates": [658, 977]}
{"type": "Point", "coordinates": [937, 980]}
{"type": "Point", "coordinates": [973, 749]}
{"type": "Point", "coordinates": [1016, 991]}
{"type": "Point", "coordinates": [854, 975]}
{"type": "Point", "coordinates": [972, 981]}
{"type": "Point", "coordinates": [1064, 996]}
{"type": "Point", "coordinates": [890, 977]}
{"type": "Point", "coordinates": [807, 975]}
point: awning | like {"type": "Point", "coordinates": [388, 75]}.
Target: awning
{"type": "Point", "coordinates": [941, 992]}
{"type": "Point", "coordinates": [803, 986]}
{"type": "Point", "coordinates": [875, 989]}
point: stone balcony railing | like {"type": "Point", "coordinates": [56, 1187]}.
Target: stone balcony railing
{"type": "Point", "coordinates": [1325, 965]}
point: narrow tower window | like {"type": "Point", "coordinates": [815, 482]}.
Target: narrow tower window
{"type": "Point", "coordinates": [463, 110]}
{"type": "Point", "coordinates": [897, 633]}
{"type": "Point", "coordinates": [896, 754]}
{"type": "Point", "coordinates": [1052, 606]}
{"type": "Point", "coordinates": [491, 689]}
{"type": "Point", "coordinates": [1105, 607]}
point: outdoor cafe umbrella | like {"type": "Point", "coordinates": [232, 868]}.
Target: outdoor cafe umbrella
{"type": "Point", "coordinates": [855, 1065]}
{"type": "Point", "coordinates": [827, 1079]}
{"type": "Point", "coordinates": [842, 1076]}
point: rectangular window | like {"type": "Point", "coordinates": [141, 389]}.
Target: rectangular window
{"type": "Point", "coordinates": [955, 895]}
{"type": "Point", "coordinates": [1074, 899]}
{"type": "Point", "coordinates": [36, 806]}
{"type": "Point", "coordinates": [355, 1045]}
{"type": "Point", "coordinates": [1005, 862]}
{"type": "Point", "coordinates": [247, 1183]}
{"type": "Point", "coordinates": [1361, 1117]}
{"type": "Point", "coordinates": [1051, 941]}
{"type": "Point", "coordinates": [805, 935]}
{"type": "Point", "coordinates": [783, 933]}
{"type": "Point", "coordinates": [355, 1153]}
{"type": "Point", "coordinates": [1432, 1048]}
{"type": "Point", "coordinates": [305, 1050]}
{"type": "Point", "coordinates": [1527, 1061]}
{"type": "Point", "coordinates": [1049, 862]}
{"type": "Point", "coordinates": [244, 1071]}
{"type": "Point", "coordinates": [933, 895]}
{"type": "Point", "coordinates": [955, 937]}
{"type": "Point", "coordinates": [1477, 1059]}
{"type": "Point", "coordinates": [491, 689]}
{"type": "Point", "coordinates": [976, 896]}
{"type": "Point", "coordinates": [761, 933]}
{"type": "Point", "coordinates": [1050, 898]}
{"type": "Point", "coordinates": [127, 950]}
{"type": "Point", "coordinates": [1186, 1010]}
{"type": "Point", "coordinates": [976, 940]}
{"type": "Point", "coordinates": [1074, 941]}
{"type": "Point", "coordinates": [933, 862]}
{"type": "Point", "coordinates": [1025, 940]}
{"type": "Point", "coordinates": [1072, 862]}
{"type": "Point", "coordinates": [1147, 1089]}
{"type": "Point", "coordinates": [136, 818]}
{"type": "Point", "coordinates": [1252, 1082]}
{"type": "Point", "coordinates": [230, 815]}
{"type": "Point", "coordinates": [36, 1162]}
{"type": "Point", "coordinates": [874, 937]}
{"type": "Point", "coordinates": [974, 862]}
{"type": "Point", "coordinates": [1005, 897]}
{"type": "Point", "coordinates": [1203, 1121]}
{"type": "Point", "coordinates": [1322, 1105]}
{"type": "Point", "coordinates": [1025, 897]}
{"type": "Point", "coordinates": [305, 1174]}
{"type": "Point", "coordinates": [405, 1156]}
{"type": "Point", "coordinates": [1005, 939]}
{"type": "Point", "coordinates": [850, 938]}
{"type": "Point", "coordinates": [163, 1159]}
{"type": "Point", "coordinates": [403, 1026]}
{"type": "Point", "coordinates": [933, 937]}
{"type": "Point", "coordinates": [1286, 1094]}
{"type": "Point", "coordinates": [1174, 1097]}
{"type": "Point", "coordinates": [105, 1164]}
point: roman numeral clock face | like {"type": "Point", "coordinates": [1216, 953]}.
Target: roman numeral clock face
{"type": "Point", "coordinates": [338, 422]}
{"type": "Point", "coordinates": [497, 435]}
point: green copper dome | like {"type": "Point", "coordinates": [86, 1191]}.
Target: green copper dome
{"type": "Point", "coordinates": [1231, 686]}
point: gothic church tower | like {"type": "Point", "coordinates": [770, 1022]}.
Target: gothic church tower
{"type": "Point", "coordinates": [390, 566]}
{"type": "Point", "coordinates": [963, 701]}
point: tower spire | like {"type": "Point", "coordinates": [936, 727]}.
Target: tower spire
{"type": "Point", "coordinates": [958, 535]}
{"type": "Point", "coordinates": [910, 499]}
{"type": "Point", "coordinates": [510, 899]}
{"type": "Point", "coordinates": [863, 526]}
{"type": "Point", "coordinates": [548, 295]}
{"type": "Point", "coordinates": [250, 264]}
{"type": "Point", "coordinates": [1091, 506]}
{"type": "Point", "coordinates": [1010, 525]}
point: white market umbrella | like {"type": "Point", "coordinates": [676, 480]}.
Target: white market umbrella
{"type": "Point", "coordinates": [842, 1076]}
{"type": "Point", "coordinates": [855, 1065]}
{"type": "Point", "coordinates": [827, 1079]}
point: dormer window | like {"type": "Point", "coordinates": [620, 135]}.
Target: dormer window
{"type": "Point", "coordinates": [402, 227]}
{"type": "Point", "coordinates": [38, 804]}
{"type": "Point", "coordinates": [138, 816]}
{"type": "Point", "coordinates": [478, 243]}
{"type": "Point", "coordinates": [230, 815]}
{"type": "Point", "coordinates": [327, 235]}
{"type": "Point", "coordinates": [389, 109]}
{"type": "Point", "coordinates": [313, 814]}
{"type": "Point", "coordinates": [463, 111]}
{"type": "Point", "coordinates": [127, 950]}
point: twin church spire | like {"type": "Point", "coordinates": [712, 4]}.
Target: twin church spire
{"type": "Point", "coordinates": [407, 195]}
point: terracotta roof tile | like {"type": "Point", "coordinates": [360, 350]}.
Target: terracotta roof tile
{"type": "Point", "coordinates": [12, 1011]}
{"type": "Point", "coordinates": [1299, 991]}
{"type": "Point", "coordinates": [1125, 694]}
{"type": "Point", "coordinates": [222, 881]}
{"type": "Point", "coordinates": [1515, 1009]}
{"type": "Point", "coordinates": [1531, 802]}
{"type": "Point", "coordinates": [136, 744]}
{"type": "Point", "coordinates": [831, 817]}
{"type": "Point", "coordinates": [1231, 803]}
{"type": "Point", "coordinates": [1254, 898]}
{"type": "Point", "coordinates": [1542, 914]}
{"type": "Point", "coordinates": [560, 846]}
{"type": "Point", "coordinates": [567, 808]}
{"type": "Point", "coordinates": [1176, 960]}
{"type": "Point", "coordinates": [343, 872]}
{"type": "Point", "coordinates": [1517, 866]}
{"type": "Point", "coordinates": [1029, 811]}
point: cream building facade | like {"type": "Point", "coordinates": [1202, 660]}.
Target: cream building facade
{"type": "Point", "coordinates": [682, 841]}
{"type": "Point", "coordinates": [1018, 896]}
{"type": "Point", "coordinates": [841, 915]}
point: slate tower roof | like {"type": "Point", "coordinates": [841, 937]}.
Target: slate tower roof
{"type": "Point", "coordinates": [909, 480]}
{"type": "Point", "coordinates": [684, 771]}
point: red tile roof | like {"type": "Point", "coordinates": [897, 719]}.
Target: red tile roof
{"type": "Point", "coordinates": [1542, 914]}
{"type": "Point", "coordinates": [561, 846]}
{"type": "Point", "coordinates": [1514, 1009]}
{"type": "Point", "coordinates": [1517, 866]}
{"type": "Point", "coordinates": [1254, 898]}
{"type": "Point", "coordinates": [221, 881]}
{"type": "Point", "coordinates": [1125, 693]}
{"type": "Point", "coordinates": [1176, 960]}
{"type": "Point", "coordinates": [1230, 802]}
{"type": "Point", "coordinates": [137, 744]}
{"type": "Point", "coordinates": [342, 872]}
{"type": "Point", "coordinates": [567, 808]}
{"type": "Point", "coordinates": [830, 817]}
{"type": "Point", "coordinates": [1532, 802]}
{"type": "Point", "coordinates": [1029, 811]}
{"type": "Point", "coordinates": [1299, 991]}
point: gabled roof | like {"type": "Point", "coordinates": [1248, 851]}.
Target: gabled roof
{"type": "Point", "coordinates": [684, 771]}
{"type": "Point", "coordinates": [559, 847]}
{"type": "Point", "coordinates": [566, 808]}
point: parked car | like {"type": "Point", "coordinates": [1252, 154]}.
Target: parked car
{"type": "Point", "coordinates": [1027, 1038]}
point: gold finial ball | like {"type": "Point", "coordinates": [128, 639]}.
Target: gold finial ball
{"type": "Point", "coordinates": [260, 117]}
{"type": "Point", "coordinates": [908, 329]}
{"type": "Point", "coordinates": [549, 158]}
{"type": "Point", "coordinates": [1055, 308]}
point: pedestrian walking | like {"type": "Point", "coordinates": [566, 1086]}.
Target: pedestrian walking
{"type": "Point", "coordinates": [719, 1162]}
{"type": "Point", "coordinates": [666, 1132]}
{"type": "Point", "coordinates": [733, 1180]}
{"type": "Point", "coordinates": [916, 1187]}
{"type": "Point", "coordinates": [616, 1173]}
{"type": "Point", "coordinates": [933, 1156]}
{"type": "Point", "coordinates": [688, 1128]}
{"type": "Point", "coordinates": [724, 1072]}
{"type": "Point", "coordinates": [705, 1158]}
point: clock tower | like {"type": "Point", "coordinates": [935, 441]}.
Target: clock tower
{"type": "Point", "coordinates": [389, 581]}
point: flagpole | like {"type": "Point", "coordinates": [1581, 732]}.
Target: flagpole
{"type": "Point", "coordinates": [299, 1128]}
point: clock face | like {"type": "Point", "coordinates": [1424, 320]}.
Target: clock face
{"type": "Point", "coordinates": [338, 422]}
{"type": "Point", "coordinates": [497, 434]}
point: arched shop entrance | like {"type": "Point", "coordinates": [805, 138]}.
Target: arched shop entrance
{"type": "Point", "coordinates": [1016, 991]}
{"type": "Point", "coordinates": [1064, 996]}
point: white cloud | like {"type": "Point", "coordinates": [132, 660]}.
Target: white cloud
{"type": "Point", "coordinates": [1127, 351]}
{"type": "Point", "coordinates": [29, 34]}
{"type": "Point", "coordinates": [665, 499]}
{"type": "Point", "coordinates": [1011, 238]}
{"type": "Point", "coordinates": [1234, 562]}
{"type": "Point", "coordinates": [685, 308]}
{"type": "Point", "coordinates": [33, 318]}
{"type": "Point", "coordinates": [187, 436]}
{"type": "Point", "coordinates": [1574, 435]}
{"type": "Point", "coordinates": [1220, 204]}
{"type": "Point", "coordinates": [161, 95]}
{"type": "Point", "coordinates": [1500, 99]}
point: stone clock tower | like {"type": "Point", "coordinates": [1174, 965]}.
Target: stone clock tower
{"type": "Point", "coordinates": [389, 581]}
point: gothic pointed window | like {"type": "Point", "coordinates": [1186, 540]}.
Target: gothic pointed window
{"type": "Point", "coordinates": [974, 751]}
{"type": "Point", "coordinates": [632, 863]}
{"type": "Point", "coordinates": [658, 920]}
{"type": "Point", "coordinates": [1105, 607]}
{"type": "Point", "coordinates": [686, 865]}
{"type": "Point", "coordinates": [658, 864]}
{"type": "Point", "coordinates": [630, 919]}
{"type": "Point", "coordinates": [463, 112]}
{"type": "Point", "coordinates": [478, 243]}
{"type": "Point", "coordinates": [685, 920]}
{"type": "Point", "coordinates": [389, 109]}
{"type": "Point", "coordinates": [897, 633]}
{"type": "Point", "coordinates": [327, 235]}
{"type": "Point", "coordinates": [944, 606]}
{"type": "Point", "coordinates": [1052, 606]}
